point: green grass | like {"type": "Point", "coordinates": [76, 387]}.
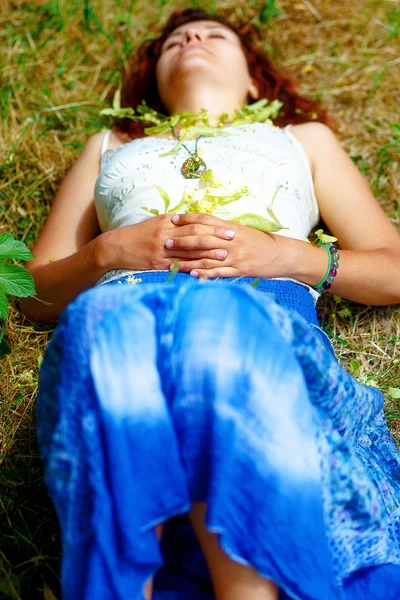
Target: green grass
{"type": "Point", "coordinates": [60, 61]}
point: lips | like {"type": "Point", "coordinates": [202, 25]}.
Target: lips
{"type": "Point", "coordinates": [192, 46]}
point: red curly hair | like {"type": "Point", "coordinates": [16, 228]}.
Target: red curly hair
{"type": "Point", "coordinates": [140, 82]}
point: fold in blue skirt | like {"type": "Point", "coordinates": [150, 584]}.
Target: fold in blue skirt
{"type": "Point", "coordinates": [157, 395]}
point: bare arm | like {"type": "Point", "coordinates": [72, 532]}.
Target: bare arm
{"type": "Point", "coordinates": [369, 270]}
{"type": "Point", "coordinates": [67, 258]}
{"type": "Point", "coordinates": [71, 254]}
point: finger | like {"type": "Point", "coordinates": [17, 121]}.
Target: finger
{"type": "Point", "coordinates": [220, 227]}
{"type": "Point", "coordinates": [204, 264]}
{"type": "Point", "coordinates": [220, 254]}
{"type": "Point", "coordinates": [198, 242]}
{"type": "Point", "coordinates": [195, 238]}
{"type": "Point", "coordinates": [203, 218]}
{"type": "Point", "coordinates": [213, 273]}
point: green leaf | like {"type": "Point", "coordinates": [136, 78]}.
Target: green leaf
{"type": "Point", "coordinates": [4, 347]}
{"type": "Point", "coordinates": [156, 129]}
{"type": "Point", "coordinates": [164, 196]}
{"type": "Point", "coordinates": [120, 113]}
{"type": "Point", "coordinates": [47, 593]}
{"type": "Point", "coordinates": [253, 220]}
{"type": "Point", "coordinates": [174, 120]}
{"type": "Point", "coordinates": [9, 585]}
{"type": "Point", "coordinates": [372, 383]}
{"type": "Point", "coordinates": [273, 217]}
{"type": "Point", "coordinates": [327, 238]}
{"type": "Point", "coordinates": [3, 306]}
{"type": "Point", "coordinates": [16, 281]}
{"type": "Point", "coordinates": [256, 105]}
{"type": "Point", "coordinates": [152, 211]}
{"type": "Point", "coordinates": [324, 237]}
{"type": "Point", "coordinates": [174, 149]}
{"type": "Point", "coordinates": [116, 103]}
{"type": "Point", "coordinates": [174, 271]}
{"type": "Point", "coordinates": [208, 131]}
{"type": "Point", "coordinates": [179, 206]}
{"type": "Point", "coordinates": [207, 177]}
{"type": "Point", "coordinates": [11, 248]}
{"type": "Point", "coordinates": [354, 366]}
{"type": "Point", "coordinates": [224, 199]}
{"type": "Point", "coordinates": [394, 393]}
{"type": "Point", "coordinates": [254, 283]}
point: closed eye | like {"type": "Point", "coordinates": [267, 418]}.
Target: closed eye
{"type": "Point", "coordinates": [214, 35]}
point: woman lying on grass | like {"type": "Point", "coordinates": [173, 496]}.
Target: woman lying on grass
{"type": "Point", "coordinates": [199, 437]}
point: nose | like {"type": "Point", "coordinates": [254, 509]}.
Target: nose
{"type": "Point", "coordinates": [192, 34]}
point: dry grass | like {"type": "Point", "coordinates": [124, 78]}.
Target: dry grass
{"type": "Point", "coordinates": [57, 68]}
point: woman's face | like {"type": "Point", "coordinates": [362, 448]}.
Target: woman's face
{"type": "Point", "coordinates": [203, 53]}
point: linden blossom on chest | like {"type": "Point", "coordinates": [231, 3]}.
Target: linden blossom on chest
{"type": "Point", "coordinates": [193, 124]}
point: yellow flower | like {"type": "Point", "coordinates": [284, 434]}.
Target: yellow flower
{"type": "Point", "coordinates": [131, 279]}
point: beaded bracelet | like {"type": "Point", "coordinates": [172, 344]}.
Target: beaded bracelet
{"type": "Point", "coordinates": [333, 265]}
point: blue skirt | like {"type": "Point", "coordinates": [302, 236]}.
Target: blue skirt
{"type": "Point", "coordinates": [157, 395]}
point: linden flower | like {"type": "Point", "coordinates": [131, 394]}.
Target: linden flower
{"type": "Point", "coordinates": [213, 197]}
{"type": "Point", "coordinates": [131, 279]}
{"type": "Point", "coordinates": [198, 202]}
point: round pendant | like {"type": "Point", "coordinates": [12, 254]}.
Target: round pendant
{"type": "Point", "coordinates": [193, 168]}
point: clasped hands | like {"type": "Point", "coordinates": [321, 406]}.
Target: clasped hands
{"type": "Point", "coordinates": [207, 247]}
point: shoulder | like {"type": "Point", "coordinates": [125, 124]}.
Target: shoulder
{"type": "Point", "coordinates": [313, 129]}
{"type": "Point", "coordinates": [114, 140]}
{"type": "Point", "coordinates": [100, 142]}
{"type": "Point", "coordinates": [313, 133]}
{"type": "Point", "coordinates": [94, 142]}
{"type": "Point", "coordinates": [316, 138]}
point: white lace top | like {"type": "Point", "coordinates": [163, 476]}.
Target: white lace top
{"type": "Point", "coordinates": [268, 160]}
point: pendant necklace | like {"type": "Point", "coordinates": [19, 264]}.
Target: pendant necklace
{"type": "Point", "coordinates": [194, 167]}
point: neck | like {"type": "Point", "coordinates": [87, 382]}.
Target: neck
{"type": "Point", "coordinates": [194, 101]}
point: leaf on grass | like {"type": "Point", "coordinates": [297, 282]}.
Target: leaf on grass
{"type": "Point", "coordinates": [4, 347]}
{"type": "Point", "coordinates": [164, 196]}
{"type": "Point", "coordinates": [11, 248]}
{"type": "Point", "coordinates": [16, 281]}
{"type": "Point", "coordinates": [3, 306]}
{"type": "Point", "coordinates": [372, 383]}
{"type": "Point", "coordinates": [9, 585]}
{"type": "Point", "coordinates": [394, 393]}
{"type": "Point", "coordinates": [47, 593]}
{"type": "Point", "coordinates": [354, 366]}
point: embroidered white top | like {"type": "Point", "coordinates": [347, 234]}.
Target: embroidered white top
{"type": "Point", "coordinates": [267, 159]}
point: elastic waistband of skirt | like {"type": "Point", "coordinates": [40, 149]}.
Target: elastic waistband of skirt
{"type": "Point", "coordinates": [288, 293]}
